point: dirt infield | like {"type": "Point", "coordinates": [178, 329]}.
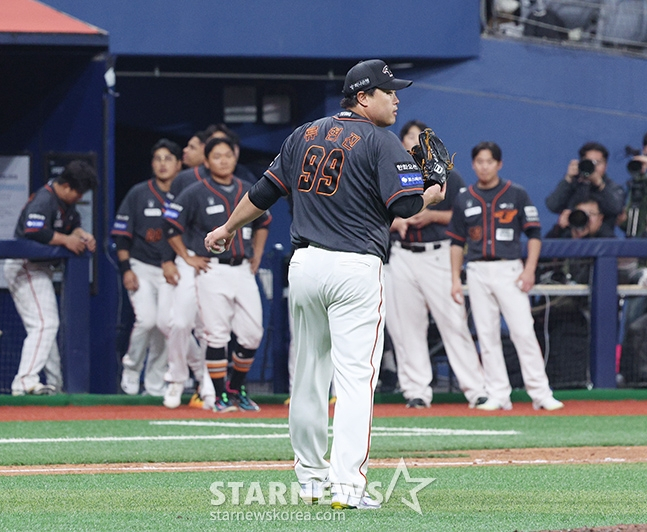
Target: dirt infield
{"type": "Point", "coordinates": [72, 412]}
{"type": "Point", "coordinates": [495, 457]}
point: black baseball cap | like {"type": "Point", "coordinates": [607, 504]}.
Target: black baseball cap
{"type": "Point", "coordinates": [366, 75]}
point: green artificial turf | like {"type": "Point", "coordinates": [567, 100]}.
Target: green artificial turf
{"type": "Point", "coordinates": [50, 442]}
{"type": "Point", "coordinates": [523, 498]}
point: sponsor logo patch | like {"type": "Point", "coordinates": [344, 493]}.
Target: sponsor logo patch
{"type": "Point", "coordinates": [215, 209]}
{"type": "Point", "coordinates": [35, 224]}
{"type": "Point", "coordinates": [473, 211]}
{"type": "Point", "coordinates": [153, 212]}
{"type": "Point", "coordinates": [120, 226]}
{"type": "Point", "coordinates": [532, 215]}
{"type": "Point", "coordinates": [504, 234]}
{"type": "Point", "coordinates": [171, 213]}
{"type": "Point", "coordinates": [409, 174]}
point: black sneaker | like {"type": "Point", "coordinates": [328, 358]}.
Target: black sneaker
{"type": "Point", "coordinates": [416, 403]}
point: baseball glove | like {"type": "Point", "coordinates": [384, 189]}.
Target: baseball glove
{"type": "Point", "coordinates": [432, 157]}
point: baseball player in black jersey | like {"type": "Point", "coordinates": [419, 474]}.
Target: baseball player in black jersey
{"type": "Point", "coordinates": [227, 293]}
{"type": "Point", "coordinates": [137, 232]}
{"type": "Point", "coordinates": [488, 219]}
{"type": "Point", "coordinates": [348, 178]}
{"type": "Point", "coordinates": [49, 217]}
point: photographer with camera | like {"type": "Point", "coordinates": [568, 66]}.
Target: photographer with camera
{"type": "Point", "coordinates": [633, 219]}
{"type": "Point", "coordinates": [586, 178]}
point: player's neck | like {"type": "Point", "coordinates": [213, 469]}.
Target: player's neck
{"type": "Point", "coordinates": [490, 184]}
{"type": "Point", "coordinates": [223, 180]}
{"type": "Point", "coordinates": [163, 184]}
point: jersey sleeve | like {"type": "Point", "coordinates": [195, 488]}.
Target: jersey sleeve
{"type": "Point", "coordinates": [175, 215]}
{"type": "Point", "coordinates": [38, 220]}
{"type": "Point", "coordinates": [398, 173]}
{"type": "Point", "coordinates": [456, 230]}
{"type": "Point", "coordinates": [123, 226]}
{"type": "Point", "coordinates": [529, 215]}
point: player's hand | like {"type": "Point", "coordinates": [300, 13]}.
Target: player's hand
{"type": "Point", "coordinates": [89, 240]}
{"type": "Point", "coordinates": [435, 194]}
{"type": "Point", "coordinates": [457, 292]}
{"type": "Point", "coordinates": [422, 219]}
{"type": "Point", "coordinates": [74, 243]}
{"type": "Point", "coordinates": [400, 225]}
{"type": "Point", "coordinates": [218, 240]}
{"type": "Point", "coordinates": [526, 280]}
{"type": "Point", "coordinates": [170, 272]}
{"type": "Point", "coordinates": [200, 264]}
{"type": "Point", "coordinates": [131, 283]}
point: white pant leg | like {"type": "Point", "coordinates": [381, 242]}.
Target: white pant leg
{"type": "Point", "coordinates": [182, 321]}
{"type": "Point", "coordinates": [433, 269]}
{"type": "Point", "coordinates": [216, 293]}
{"type": "Point", "coordinates": [52, 369]}
{"type": "Point", "coordinates": [487, 319]}
{"type": "Point", "coordinates": [32, 290]}
{"type": "Point", "coordinates": [247, 323]}
{"type": "Point", "coordinates": [407, 319]}
{"type": "Point", "coordinates": [515, 307]}
{"type": "Point", "coordinates": [340, 297]}
{"type": "Point", "coordinates": [156, 364]}
{"type": "Point", "coordinates": [144, 302]}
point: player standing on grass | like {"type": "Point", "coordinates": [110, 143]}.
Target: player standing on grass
{"type": "Point", "coordinates": [348, 178]}
{"type": "Point", "coordinates": [227, 294]}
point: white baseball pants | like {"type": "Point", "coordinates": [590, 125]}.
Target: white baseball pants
{"type": "Point", "coordinates": [337, 306]}
{"type": "Point", "coordinates": [416, 284]}
{"type": "Point", "coordinates": [178, 317]}
{"type": "Point", "coordinates": [146, 337]}
{"type": "Point", "coordinates": [32, 290]}
{"type": "Point", "coordinates": [493, 291]}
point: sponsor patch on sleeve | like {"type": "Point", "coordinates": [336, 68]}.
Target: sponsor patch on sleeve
{"type": "Point", "coordinates": [171, 213]}
{"type": "Point", "coordinates": [409, 174]}
{"type": "Point", "coordinates": [532, 215]}
{"type": "Point", "coordinates": [119, 226]}
{"type": "Point", "coordinates": [35, 224]}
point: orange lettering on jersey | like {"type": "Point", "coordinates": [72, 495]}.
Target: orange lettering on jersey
{"type": "Point", "coordinates": [333, 133]}
{"type": "Point", "coordinates": [506, 216]}
{"type": "Point", "coordinates": [311, 133]}
{"type": "Point", "coordinates": [350, 141]}
{"type": "Point", "coordinates": [153, 235]}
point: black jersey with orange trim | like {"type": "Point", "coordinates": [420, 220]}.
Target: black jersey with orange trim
{"type": "Point", "coordinates": [139, 223]}
{"type": "Point", "coordinates": [44, 214]}
{"type": "Point", "coordinates": [187, 177]}
{"type": "Point", "coordinates": [491, 221]}
{"type": "Point", "coordinates": [343, 172]}
{"type": "Point", "coordinates": [202, 207]}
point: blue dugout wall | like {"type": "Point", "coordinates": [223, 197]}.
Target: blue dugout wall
{"type": "Point", "coordinates": [540, 102]}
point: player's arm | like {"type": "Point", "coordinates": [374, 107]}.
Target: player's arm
{"type": "Point", "coordinates": [527, 278]}
{"type": "Point", "coordinates": [129, 278]}
{"type": "Point", "coordinates": [200, 264]}
{"type": "Point", "coordinates": [427, 216]}
{"type": "Point", "coordinates": [259, 239]}
{"type": "Point", "coordinates": [245, 212]}
{"type": "Point", "coordinates": [73, 242]}
{"type": "Point", "coordinates": [456, 257]}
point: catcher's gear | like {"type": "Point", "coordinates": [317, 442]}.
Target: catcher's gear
{"type": "Point", "coordinates": [433, 158]}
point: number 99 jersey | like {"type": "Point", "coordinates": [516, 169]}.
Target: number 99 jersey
{"type": "Point", "coordinates": [347, 172]}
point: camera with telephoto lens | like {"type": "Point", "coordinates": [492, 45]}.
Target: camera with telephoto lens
{"type": "Point", "coordinates": [578, 219]}
{"type": "Point", "coordinates": [637, 186]}
{"type": "Point", "coordinates": [586, 168]}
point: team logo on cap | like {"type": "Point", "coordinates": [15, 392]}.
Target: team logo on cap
{"type": "Point", "coordinates": [386, 70]}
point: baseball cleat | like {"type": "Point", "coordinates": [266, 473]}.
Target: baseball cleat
{"type": "Point", "coordinates": [341, 502]}
{"type": "Point", "coordinates": [492, 404]}
{"type": "Point", "coordinates": [241, 399]}
{"type": "Point", "coordinates": [173, 394]}
{"type": "Point", "coordinates": [197, 402]}
{"type": "Point", "coordinates": [39, 389]}
{"type": "Point", "coordinates": [223, 404]}
{"type": "Point", "coordinates": [130, 382]}
{"type": "Point", "coordinates": [312, 491]}
{"type": "Point", "coordinates": [548, 404]}
{"type": "Point", "coordinates": [478, 402]}
{"type": "Point", "coordinates": [416, 403]}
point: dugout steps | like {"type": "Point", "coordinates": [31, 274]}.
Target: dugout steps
{"type": "Point", "coordinates": [63, 399]}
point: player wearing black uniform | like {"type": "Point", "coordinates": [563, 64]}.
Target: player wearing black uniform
{"type": "Point", "coordinates": [490, 218]}
{"type": "Point", "coordinates": [49, 217]}
{"type": "Point", "coordinates": [137, 231]}
{"type": "Point", "coordinates": [228, 297]}
{"type": "Point", "coordinates": [348, 178]}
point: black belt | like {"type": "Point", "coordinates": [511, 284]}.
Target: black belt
{"type": "Point", "coordinates": [488, 259]}
{"type": "Point", "coordinates": [302, 245]}
{"type": "Point", "coordinates": [419, 247]}
{"type": "Point", "coordinates": [232, 261]}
